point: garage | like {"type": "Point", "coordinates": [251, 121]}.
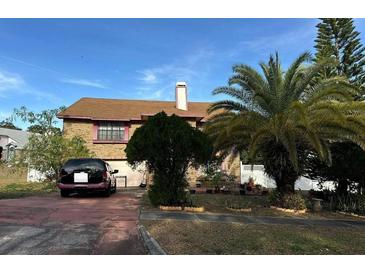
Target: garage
{"type": "Point", "coordinates": [126, 176]}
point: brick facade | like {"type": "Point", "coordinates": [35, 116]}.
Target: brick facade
{"type": "Point", "coordinates": [84, 129]}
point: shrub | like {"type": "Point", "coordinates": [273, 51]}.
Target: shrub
{"type": "Point", "coordinates": [47, 153]}
{"type": "Point", "coordinates": [288, 200]}
{"type": "Point", "coordinates": [168, 146]}
{"type": "Point", "coordinates": [351, 203]}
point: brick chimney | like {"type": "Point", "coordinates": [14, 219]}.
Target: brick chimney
{"type": "Point", "coordinates": [181, 96]}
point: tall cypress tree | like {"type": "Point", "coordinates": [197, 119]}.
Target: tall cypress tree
{"type": "Point", "coordinates": [337, 38]}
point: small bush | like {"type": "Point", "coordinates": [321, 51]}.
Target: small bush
{"type": "Point", "coordinates": [165, 194]}
{"type": "Point", "coordinates": [290, 201]}
{"type": "Point", "coordinates": [274, 198]}
{"type": "Point", "coordinates": [217, 179]}
{"type": "Point", "coordinates": [325, 194]}
{"type": "Point", "coordinates": [351, 203]}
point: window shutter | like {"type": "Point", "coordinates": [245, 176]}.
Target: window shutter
{"type": "Point", "coordinates": [95, 130]}
{"type": "Point", "coordinates": [126, 132]}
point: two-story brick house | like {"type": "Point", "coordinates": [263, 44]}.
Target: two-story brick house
{"type": "Point", "coordinates": [107, 124]}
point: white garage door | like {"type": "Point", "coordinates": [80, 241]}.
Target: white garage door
{"type": "Point", "coordinates": [134, 177]}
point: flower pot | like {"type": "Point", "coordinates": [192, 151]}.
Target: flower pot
{"type": "Point", "coordinates": [317, 204]}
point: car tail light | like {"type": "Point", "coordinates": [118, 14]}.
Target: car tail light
{"type": "Point", "coordinates": [105, 175]}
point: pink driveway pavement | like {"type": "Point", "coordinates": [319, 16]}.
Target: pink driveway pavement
{"type": "Point", "coordinates": [73, 225]}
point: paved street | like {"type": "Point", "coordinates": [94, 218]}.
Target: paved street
{"type": "Point", "coordinates": [73, 225]}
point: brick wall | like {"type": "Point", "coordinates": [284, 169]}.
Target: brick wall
{"type": "Point", "coordinates": [84, 129]}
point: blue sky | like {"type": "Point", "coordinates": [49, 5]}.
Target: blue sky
{"type": "Point", "coordinates": [46, 63]}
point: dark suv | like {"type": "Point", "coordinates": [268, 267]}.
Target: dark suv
{"type": "Point", "coordinates": [86, 174]}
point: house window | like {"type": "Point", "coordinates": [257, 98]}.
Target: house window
{"type": "Point", "coordinates": [111, 131]}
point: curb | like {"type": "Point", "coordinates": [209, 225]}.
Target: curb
{"type": "Point", "coordinates": [151, 244]}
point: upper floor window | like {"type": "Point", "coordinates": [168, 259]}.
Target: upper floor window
{"type": "Point", "coordinates": [111, 131]}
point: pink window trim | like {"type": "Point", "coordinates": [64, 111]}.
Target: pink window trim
{"type": "Point", "coordinates": [95, 135]}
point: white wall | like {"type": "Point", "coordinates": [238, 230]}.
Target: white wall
{"type": "Point", "coordinates": [134, 177]}
{"type": "Point", "coordinates": [258, 174]}
{"type": "Point", "coordinates": [4, 140]}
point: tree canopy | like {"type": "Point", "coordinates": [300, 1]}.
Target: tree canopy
{"type": "Point", "coordinates": [44, 121]}
{"type": "Point", "coordinates": [7, 124]}
{"type": "Point", "coordinates": [282, 115]}
{"type": "Point", "coordinates": [47, 153]}
{"type": "Point", "coordinates": [47, 150]}
{"type": "Point", "coordinates": [338, 39]}
{"type": "Point", "coordinates": [168, 145]}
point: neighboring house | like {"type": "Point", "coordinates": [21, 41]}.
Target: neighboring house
{"type": "Point", "coordinates": [108, 124]}
{"type": "Point", "coordinates": [12, 141]}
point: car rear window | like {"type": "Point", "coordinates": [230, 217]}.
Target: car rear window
{"type": "Point", "coordinates": [83, 164]}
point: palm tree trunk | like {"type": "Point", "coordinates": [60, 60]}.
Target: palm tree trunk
{"type": "Point", "coordinates": [286, 183]}
{"type": "Point", "coordinates": [342, 187]}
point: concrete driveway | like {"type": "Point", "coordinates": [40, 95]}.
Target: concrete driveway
{"type": "Point", "coordinates": [73, 225]}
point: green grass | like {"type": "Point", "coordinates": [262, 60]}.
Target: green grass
{"type": "Point", "coordinates": [23, 189]}
{"type": "Point", "coordinates": [187, 237]}
{"type": "Point", "coordinates": [219, 202]}
{"type": "Point", "coordinates": [13, 184]}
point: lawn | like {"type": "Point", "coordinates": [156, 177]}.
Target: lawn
{"type": "Point", "coordinates": [23, 189]}
{"type": "Point", "coordinates": [217, 203]}
{"type": "Point", "coordinates": [13, 185]}
{"type": "Point", "coordinates": [186, 237]}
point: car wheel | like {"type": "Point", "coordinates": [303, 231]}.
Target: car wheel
{"type": "Point", "coordinates": [107, 191]}
{"type": "Point", "coordinates": [64, 193]}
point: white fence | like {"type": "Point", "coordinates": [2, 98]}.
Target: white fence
{"type": "Point", "coordinates": [257, 172]}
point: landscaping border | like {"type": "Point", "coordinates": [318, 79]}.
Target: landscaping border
{"type": "Point", "coordinates": [351, 214]}
{"type": "Point", "coordinates": [149, 242]}
{"type": "Point", "coordinates": [294, 211]}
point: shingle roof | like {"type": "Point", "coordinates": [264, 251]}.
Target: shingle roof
{"type": "Point", "coordinates": [126, 110]}
{"type": "Point", "coordinates": [20, 136]}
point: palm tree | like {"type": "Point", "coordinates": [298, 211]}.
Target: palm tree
{"type": "Point", "coordinates": [282, 116]}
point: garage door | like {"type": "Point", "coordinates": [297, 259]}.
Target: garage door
{"type": "Point", "coordinates": [134, 177]}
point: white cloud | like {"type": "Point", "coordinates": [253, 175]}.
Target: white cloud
{"type": "Point", "coordinates": [85, 82]}
{"type": "Point", "coordinates": [149, 77]}
{"type": "Point", "coordinates": [150, 93]}
{"type": "Point", "coordinates": [278, 42]}
{"type": "Point", "coordinates": [9, 82]}
{"type": "Point", "coordinates": [12, 84]}
{"type": "Point", "coordinates": [30, 64]}
{"type": "Point", "coordinates": [158, 82]}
